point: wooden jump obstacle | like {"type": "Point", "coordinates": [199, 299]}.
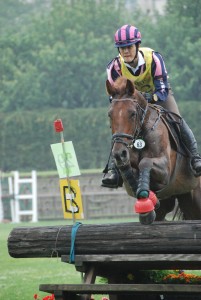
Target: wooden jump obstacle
{"type": "Point", "coordinates": [110, 250]}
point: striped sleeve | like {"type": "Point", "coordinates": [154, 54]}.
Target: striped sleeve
{"type": "Point", "coordinates": [113, 70]}
{"type": "Point", "coordinates": [159, 74]}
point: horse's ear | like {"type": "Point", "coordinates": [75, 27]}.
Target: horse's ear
{"type": "Point", "coordinates": [109, 88]}
{"type": "Point", "coordinates": [130, 89]}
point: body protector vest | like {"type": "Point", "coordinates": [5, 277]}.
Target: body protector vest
{"type": "Point", "coordinates": [143, 82]}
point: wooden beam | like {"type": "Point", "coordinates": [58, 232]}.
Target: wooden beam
{"type": "Point", "coordinates": [121, 238]}
{"type": "Point", "coordinates": [115, 262]}
{"type": "Point", "coordinates": [121, 288]}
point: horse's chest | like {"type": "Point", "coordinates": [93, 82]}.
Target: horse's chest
{"type": "Point", "coordinates": [135, 157]}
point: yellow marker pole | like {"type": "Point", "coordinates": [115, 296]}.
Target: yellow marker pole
{"type": "Point", "coordinates": [58, 126]}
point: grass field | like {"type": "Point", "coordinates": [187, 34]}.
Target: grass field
{"type": "Point", "coordinates": [20, 278]}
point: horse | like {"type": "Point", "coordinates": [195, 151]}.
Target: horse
{"type": "Point", "coordinates": [154, 169]}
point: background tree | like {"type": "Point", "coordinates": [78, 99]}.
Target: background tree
{"type": "Point", "coordinates": [66, 46]}
{"type": "Point", "coordinates": [177, 36]}
{"type": "Point", "coordinates": [53, 56]}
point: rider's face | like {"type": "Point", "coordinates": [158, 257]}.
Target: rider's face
{"type": "Point", "coordinates": [128, 53]}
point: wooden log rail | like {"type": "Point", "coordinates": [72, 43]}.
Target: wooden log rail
{"type": "Point", "coordinates": [111, 250]}
{"type": "Point", "coordinates": [121, 238]}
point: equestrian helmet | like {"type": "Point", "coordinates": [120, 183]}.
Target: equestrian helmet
{"type": "Point", "coordinates": [127, 35]}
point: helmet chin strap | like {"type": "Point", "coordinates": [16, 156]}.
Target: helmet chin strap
{"type": "Point", "coordinates": [136, 54]}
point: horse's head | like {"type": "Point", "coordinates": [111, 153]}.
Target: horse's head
{"type": "Point", "coordinates": [127, 112]}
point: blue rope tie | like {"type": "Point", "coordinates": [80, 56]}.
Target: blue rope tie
{"type": "Point", "coordinates": [73, 236]}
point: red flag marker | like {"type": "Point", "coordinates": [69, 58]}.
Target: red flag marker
{"type": "Point", "coordinates": [58, 126]}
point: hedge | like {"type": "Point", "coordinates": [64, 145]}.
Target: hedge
{"type": "Point", "coordinates": [26, 136]}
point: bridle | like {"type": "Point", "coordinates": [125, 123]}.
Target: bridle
{"type": "Point", "coordinates": [121, 136]}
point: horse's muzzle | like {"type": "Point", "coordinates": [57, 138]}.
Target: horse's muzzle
{"type": "Point", "coordinates": [121, 155]}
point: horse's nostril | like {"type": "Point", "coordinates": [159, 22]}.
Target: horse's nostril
{"type": "Point", "coordinates": [124, 154]}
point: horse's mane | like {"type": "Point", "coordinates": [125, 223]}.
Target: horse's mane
{"type": "Point", "coordinates": [124, 88]}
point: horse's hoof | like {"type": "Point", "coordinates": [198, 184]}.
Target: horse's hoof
{"type": "Point", "coordinates": [147, 218]}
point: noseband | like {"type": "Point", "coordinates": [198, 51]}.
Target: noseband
{"type": "Point", "coordinates": [119, 137]}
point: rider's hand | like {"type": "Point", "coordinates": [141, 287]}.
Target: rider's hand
{"type": "Point", "coordinates": [151, 98]}
{"type": "Point", "coordinates": [148, 97]}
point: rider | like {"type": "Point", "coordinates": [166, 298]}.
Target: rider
{"type": "Point", "coordinates": [146, 68]}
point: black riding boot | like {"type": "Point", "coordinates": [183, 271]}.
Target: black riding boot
{"type": "Point", "coordinates": [190, 143]}
{"type": "Point", "coordinates": [114, 180]}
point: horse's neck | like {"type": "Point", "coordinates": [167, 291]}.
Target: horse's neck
{"type": "Point", "coordinates": [152, 117]}
{"type": "Point", "coordinates": [141, 99]}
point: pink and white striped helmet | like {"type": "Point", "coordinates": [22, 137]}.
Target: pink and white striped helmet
{"type": "Point", "coordinates": [127, 35]}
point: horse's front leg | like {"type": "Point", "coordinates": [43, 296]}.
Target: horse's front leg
{"type": "Point", "coordinates": [158, 169]}
{"type": "Point", "coordinates": [143, 188]}
{"type": "Point", "coordinates": [147, 201]}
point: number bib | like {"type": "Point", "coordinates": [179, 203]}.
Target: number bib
{"type": "Point", "coordinates": [139, 144]}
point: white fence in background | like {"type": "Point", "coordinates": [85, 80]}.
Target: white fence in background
{"type": "Point", "coordinates": [23, 197]}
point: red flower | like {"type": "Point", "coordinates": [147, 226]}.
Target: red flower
{"type": "Point", "coordinates": [35, 296]}
{"type": "Point", "coordinates": [49, 297]}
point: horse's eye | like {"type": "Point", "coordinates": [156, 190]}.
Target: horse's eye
{"type": "Point", "coordinates": [133, 114]}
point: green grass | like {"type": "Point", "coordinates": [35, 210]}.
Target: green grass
{"type": "Point", "coordinates": [20, 278]}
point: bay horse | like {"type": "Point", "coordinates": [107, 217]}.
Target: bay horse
{"type": "Point", "coordinates": [153, 168]}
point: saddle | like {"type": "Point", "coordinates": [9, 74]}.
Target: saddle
{"type": "Point", "coordinates": [172, 122]}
